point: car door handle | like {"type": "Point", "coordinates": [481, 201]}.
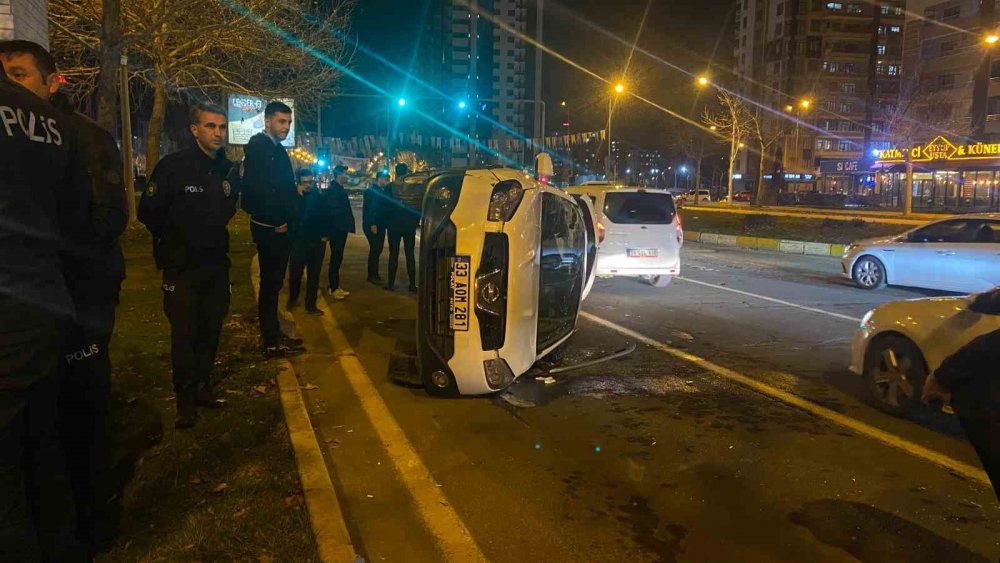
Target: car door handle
{"type": "Point", "coordinates": [946, 252]}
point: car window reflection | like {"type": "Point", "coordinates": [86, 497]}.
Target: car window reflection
{"type": "Point", "coordinates": [562, 248]}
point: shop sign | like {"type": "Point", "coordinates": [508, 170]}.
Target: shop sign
{"type": "Point", "coordinates": [838, 166]}
{"type": "Point", "coordinates": [942, 149]}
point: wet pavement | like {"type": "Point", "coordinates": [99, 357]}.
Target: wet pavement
{"type": "Point", "coordinates": [650, 458]}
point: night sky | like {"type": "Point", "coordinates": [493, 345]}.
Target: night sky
{"type": "Point", "coordinates": [685, 33]}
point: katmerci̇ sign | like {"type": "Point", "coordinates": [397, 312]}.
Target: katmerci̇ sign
{"type": "Point", "coordinates": [942, 149]}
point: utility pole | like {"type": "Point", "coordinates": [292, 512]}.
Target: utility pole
{"type": "Point", "coordinates": [127, 137]}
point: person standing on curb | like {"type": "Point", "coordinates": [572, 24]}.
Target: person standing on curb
{"type": "Point", "coordinates": [94, 268]}
{"type": "Point", "coordinates": [969, 381]}
{"type": "Point", "coordinates": [373, 222]}
{"type": "Point", "coordinates": [337, 206]}
{"type": "Point", "coordinates": [307, 250]}
{"type": "Point", "coordinates": [272, 201]}
{"type": "Point", "coordinates": [403, 218]}
{"type": "Point", "coordinates": [186, 207]}
{"type": "Point", "coordinates": [37, 519]}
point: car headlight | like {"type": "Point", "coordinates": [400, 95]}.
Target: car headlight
{"type": "Point", "coordinates": [506, 197]}
{"type": "Point", "coordinates": [498, 373]}
{"type": "Point", "coordinates": [866, 320]}
{"type": "Point", "coordinates": [850, 248]}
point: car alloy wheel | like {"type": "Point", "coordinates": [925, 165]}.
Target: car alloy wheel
{"type": "Point", "coordinates": [869, 273]}
{"type": "Point", "coordinates": [660, 281]}
{"type": "Point", "coordinates": [895, 374]}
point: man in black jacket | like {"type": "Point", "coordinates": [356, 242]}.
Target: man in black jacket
{"type": "Point", "coordinates": [186, 207]}
{"type": "Point", "coordinates": [374, 224]}
{"type": "Point", "coordinates": [36, 152]}
{"type": "Point", "coordinates": [308, 248]}
{"type": "Point", "coordinates": [404, 219]}
{"type": "Point", "coordinates": [969, 380]}
{"type": "Point", "coordinates": [271, 200]}
{"type": "Point", "coordinates": [337, 206]}
{"type": "Point", "coordinates": [94, 268]}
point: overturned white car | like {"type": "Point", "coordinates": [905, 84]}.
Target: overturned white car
{"type": "Point", "coordinates": [505, 262]}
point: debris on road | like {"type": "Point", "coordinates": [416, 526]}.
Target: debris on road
{"type": "Point", "coordinates": [309, 387]}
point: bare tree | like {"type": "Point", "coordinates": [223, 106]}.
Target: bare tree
{"type": "Point", "coordinates": [204, 48]}
{"type": "Point", "coordinates": [732, 122]}
{"type": "Point", "coordinates": [691, 142]}
{"type": "Point", "coordinates": [766, 129]}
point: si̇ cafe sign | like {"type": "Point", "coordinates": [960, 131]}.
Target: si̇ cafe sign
{"type": "Point", "coordinates": [941, 149]}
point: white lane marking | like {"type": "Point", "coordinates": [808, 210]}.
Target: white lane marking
{"type": "Point", "coordinates": [773, 300]}
{"type": "Point", "coordinates": [876, 434]}
{"type": "Point", "coordinates": [442, 521]}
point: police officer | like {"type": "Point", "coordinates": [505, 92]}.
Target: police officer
{"type": "Point", "coordinates": [94, 268]}
{"type": "Point", "coordinates": [36, 505]}
{"type": "Point", "coordinates": [186, 206]}
{"type": "Point", "coordinates": [272, 201]}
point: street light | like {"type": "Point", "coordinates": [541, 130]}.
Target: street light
{"type": "Point", "coordinates": [789, 108]}
{"type": "Point", "coordinates": [805, 104]}
{"type": "Point", "coordinates": [619, 89]}
{"type": "Point", "coordinates": [462, 104]}
{"type": "Point", "coordinates": [563, 104]}
{"type": "Point", "coordinates": [991, 39]}
{"type": "Point", "coordinates": [703, 81]}
{"type": "Point", "coordinates": [402, 102]}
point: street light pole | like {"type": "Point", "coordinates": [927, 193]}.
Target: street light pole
{"type": "Point", "coordinates": [619, 88]}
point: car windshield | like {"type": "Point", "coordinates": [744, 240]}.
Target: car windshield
{"type": "Point", "coordinates": [562, 249]}
{"type": "Point", "coordinates": [639, 208]}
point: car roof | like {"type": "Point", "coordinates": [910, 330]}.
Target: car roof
{"type": "Point", "coordinates": [994, 216]}
{"type": "Point", "coordinates": [612, 188]}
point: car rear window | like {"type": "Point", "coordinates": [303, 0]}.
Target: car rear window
{"type": "Point", "coordinates": [639, 208]}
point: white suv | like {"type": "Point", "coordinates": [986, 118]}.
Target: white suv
{"type": "Point", "coordinates": [640, 232]}
{"type": "Point", "coordinates": [505, 262]}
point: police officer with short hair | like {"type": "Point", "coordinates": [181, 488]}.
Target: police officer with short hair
{"type": "Point", "coordinates": [36, 151]}
{"type": "Point", "coordinates": [186, 206]}
{"type": "Point", "coordinates": [92, 221]}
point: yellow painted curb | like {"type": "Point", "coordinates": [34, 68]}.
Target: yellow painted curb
{"type": "Point", "coordinates": [693, 236]}
{"type": "Point", "coordinates": [746, 242]}
{"type": "Point", "coordinates": [768, 244]}
{"type": "Point", "coordinates": [837, 250]}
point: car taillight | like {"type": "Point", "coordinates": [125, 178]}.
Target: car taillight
{"type": "Point", "coordinates": [680, 230]}
{"type": "Point", "coordinates": [600, 232]}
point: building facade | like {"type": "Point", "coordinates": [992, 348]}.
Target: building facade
{"type": "Point", "coordinates": [479, 55]}
{"type": "Point", "coordinates": [827, 71]}
{"type": "Point", "coordinates": [25, 19]}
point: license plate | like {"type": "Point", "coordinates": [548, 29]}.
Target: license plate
{"type": "Point", "coordinates": [643, 253]}
{"type": "Point", "coordinates": [461, 275]}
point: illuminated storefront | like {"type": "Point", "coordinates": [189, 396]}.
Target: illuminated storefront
{"type": "Point", "coordinates": [947, 176]}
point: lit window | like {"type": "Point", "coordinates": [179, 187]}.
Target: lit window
{"type": "Point", "coordinates": [894, 29]}
{"type": "Point", "coordinates": [834, 6]}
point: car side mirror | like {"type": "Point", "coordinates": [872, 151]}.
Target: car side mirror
{"type": "Point", "coordinates": [986, 303]}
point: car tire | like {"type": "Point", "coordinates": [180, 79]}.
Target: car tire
{"type": "Point", "coordinates": [660, 281]}
{"type": "Point", "coordinates": [895, 372]}
{"type": "Point", "coordinates": [868, 273]}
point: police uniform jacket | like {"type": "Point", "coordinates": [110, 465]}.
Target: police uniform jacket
{"type": "Point", "coordinates": [36, 152]}
{"type": "Point", "coordinates": [269, 194]}
{"type": "Point", "coordinates": [92, 252]}
{"type": "Point", "coordinates": [186, 206]}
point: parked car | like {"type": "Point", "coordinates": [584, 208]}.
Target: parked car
{"type": "Point", "coordinates": [961, 254]}
{"type": "Point", "coordinates": [505, 263]}
{"type": "Point", "coordinates": [704, 196]}
{"type": "Point", "coordinates": [640, 231]}
{"type": "Point", "coordinates": [742, 197]}
{"type": "Point", "coordinates": [900, 343]}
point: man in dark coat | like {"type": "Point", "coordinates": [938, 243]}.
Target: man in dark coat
{"type": "Point", "coordinates": [94, 267]}
{"type": "Point", "coordinates": [969, 380]}
{"type": "Point", "coordinates": [271, 200]}
{"type": "Point", "coordinates": [307, 250]}
{"type": "Point", "coordinates": [404, 219]}
{"type": "Point", "coordinates": [341, 223]}
{"type": "Point", "coordinates": [374, 223]}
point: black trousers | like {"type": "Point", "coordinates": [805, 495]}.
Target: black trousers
{"type": "Point", "coordinates": [272, 252]}
{"type": "Point", "coordinates": [37, 519]}
{"type": "Point", "coordinates": [984, 434]}
{"type": "Point", "coordinates": [84, 400]}
{"type": "Point", "coordinates": [307, 256]}
{"type": "Point", "coordinates": [196, 302]}
{"type": "Point", "coordinates": [409, 238]}
{"type": "Point", "coordinates": [338, 240]}
{"type": "Point", "coordinates": [376, 243]}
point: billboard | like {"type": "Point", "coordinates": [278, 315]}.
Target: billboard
{"type": "Point", "coordinates": [246, 118]}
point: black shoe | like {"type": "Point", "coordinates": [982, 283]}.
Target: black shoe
{"type": "Point", "coordinates": [314, 311]}
{"type": "Point", "coordinates": [291, 303]}
{"type": "Point", "coordinates": [389, 287]}
{"type": "Point", "coordinates": [291, 341]}
{"type": "Point", "coordinates": [375, 280]}
{"type": "Point", "coordinates": [281, 351]}
{"type": "Point", "coordinates": [413, 289]}
{"type": "Point", "coordinates": [209, 399]}
{"type": "Point", "coordinates": [187, 415]}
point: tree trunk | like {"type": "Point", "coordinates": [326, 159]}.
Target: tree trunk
{"type": "Point", "coordinates": [156, 120]}
{"type": "Point", "coordinates": [761, 195]}
{"type": "Point", "coordinates": [109, 52]}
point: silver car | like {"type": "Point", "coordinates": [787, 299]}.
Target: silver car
{"type": "Point", "coordinates": [960, 254]}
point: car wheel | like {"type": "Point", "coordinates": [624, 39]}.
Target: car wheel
{"type": "Point", "coordinates": [895, 372]}
{"type": "Point", "coordinates": [660, 281]}
{"type": "Point", "coordinates": [868, 273]}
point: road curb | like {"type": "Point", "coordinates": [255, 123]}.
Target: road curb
{"type": "Point", "coordinates": [333, 542]}
{"type": "Point", "coordinates": [775, 245]}
{"type": "Point", "coordinates": [915, 219]}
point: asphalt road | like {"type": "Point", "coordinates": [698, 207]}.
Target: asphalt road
{"type": "Point", "coordinates": [651, 457]}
